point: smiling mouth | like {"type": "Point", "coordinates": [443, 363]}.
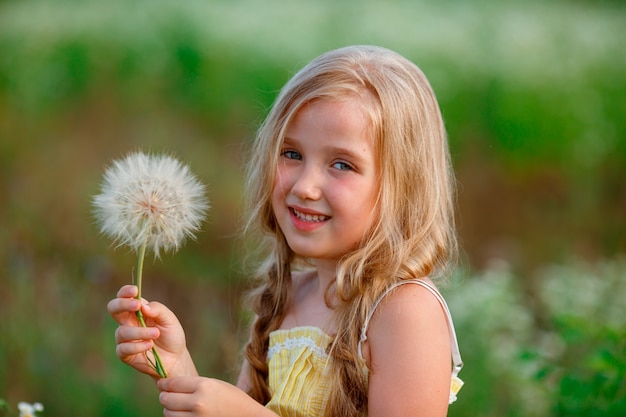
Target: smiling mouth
{"type": "Point", "coordinates": [312, 218]}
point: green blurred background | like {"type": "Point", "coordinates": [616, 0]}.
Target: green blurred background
{"type": "Point", "coordinates": [533, 94]}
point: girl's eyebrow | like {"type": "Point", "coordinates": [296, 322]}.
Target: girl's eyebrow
{"type": "Point", "coordinates": [288, 141]}
{"type": "Point", "coordinates": [347, 153]}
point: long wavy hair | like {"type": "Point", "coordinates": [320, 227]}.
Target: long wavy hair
{"type": "Point", "coordinates": [412, 234]}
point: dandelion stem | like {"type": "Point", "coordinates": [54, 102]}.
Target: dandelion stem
{"type": "Point", "coordinates": [157, 364]}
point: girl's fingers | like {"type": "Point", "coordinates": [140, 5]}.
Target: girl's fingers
{"type": "Point", "coordinates": [179, 384]}
{"type": "Point", "coordinates": [130, 349]}
{"type": "Point", "coordinates": [173, 401]}
{"type": "Point", "coordinates": [127, 291]}
{"type": "Point", "coordinates": [123, 310]}
{"type": "Point", "coordinates": [159, 313]}
{"type": "Point", "coordinates": [123, 305]}
{"type": "Point", "coordinates": [125, 334]}
{"type": "Point", "coordinates": [178, 393]}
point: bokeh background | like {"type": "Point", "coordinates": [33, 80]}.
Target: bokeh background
{"type": "Point", "coordinates": [533, 94]}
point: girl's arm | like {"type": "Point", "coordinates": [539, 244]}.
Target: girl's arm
{"type": "Point", "coordinates": [163, 331]}
{"type": "Point", "coordinates": [408, 351]}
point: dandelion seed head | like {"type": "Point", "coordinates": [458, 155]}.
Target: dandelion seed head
{"type": "Point", "coordinates": [153, 198]}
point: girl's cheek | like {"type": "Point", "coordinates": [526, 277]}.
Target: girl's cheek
{"type": "Point", "coordinates": [281, 181]}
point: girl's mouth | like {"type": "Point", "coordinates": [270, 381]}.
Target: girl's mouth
{"type": "Point", "coordinates": [312, 218]}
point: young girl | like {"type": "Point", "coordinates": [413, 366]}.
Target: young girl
{"type": "Point", "coordinates": [351, 190]}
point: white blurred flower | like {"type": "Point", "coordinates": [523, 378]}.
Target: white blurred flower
{"type": "Point", "coordinates": [150, 198]}
{"type": "Point", "coordinates": [29, 410]}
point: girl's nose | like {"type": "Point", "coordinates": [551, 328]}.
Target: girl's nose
{"type": "Point", "coordinates": [307, 184]}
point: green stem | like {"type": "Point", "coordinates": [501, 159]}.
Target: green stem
{"type": "Point", "coordinates": [157, 364]}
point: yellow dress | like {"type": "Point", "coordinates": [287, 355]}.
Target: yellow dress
{"type": "Point", "coordinates": [298, 362]}
{"type": "Point", "coordinates": [297, 371]}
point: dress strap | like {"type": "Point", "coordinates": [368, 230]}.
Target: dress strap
{"type": "Point", "coordinates": [456, 354]}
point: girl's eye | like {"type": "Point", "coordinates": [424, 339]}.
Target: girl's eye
{"type": "Point", "coordinates": [343, 166]}
{"type": "Point", "coordinates": [291, 155]}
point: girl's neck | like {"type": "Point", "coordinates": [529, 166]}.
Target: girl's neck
{"type": "Point", "coordinates": [308, 307]}
{"type": "Point", "coordinates": [326, 272]}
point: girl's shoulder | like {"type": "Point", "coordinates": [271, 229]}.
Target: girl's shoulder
{"type": "Point", "coordinates": [406, 315]}
{"type": "Point", "coordinates": [408, 304]}
{"type": "Point", "coordinates": [408, 352]}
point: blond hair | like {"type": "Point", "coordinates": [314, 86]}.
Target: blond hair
{"type": "Point", "coordinates": [412, 234]}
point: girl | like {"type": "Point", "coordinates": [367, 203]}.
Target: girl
{"type": "Point", "coordinates": [351, 189]}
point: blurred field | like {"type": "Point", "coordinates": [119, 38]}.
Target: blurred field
{"type": "Point", "coordinates": [533, 97]}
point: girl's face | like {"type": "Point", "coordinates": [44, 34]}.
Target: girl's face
{"type": "Point", "coordinates": [326, 181]}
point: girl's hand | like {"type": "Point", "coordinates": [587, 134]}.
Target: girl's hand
{"type": "Point", "coordinates": [206, 397]}
{"type": "Point", "coordinates": [163, 331]}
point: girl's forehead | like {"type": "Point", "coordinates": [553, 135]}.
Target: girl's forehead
{"type": "Point", "coordinates": [338, 109]}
